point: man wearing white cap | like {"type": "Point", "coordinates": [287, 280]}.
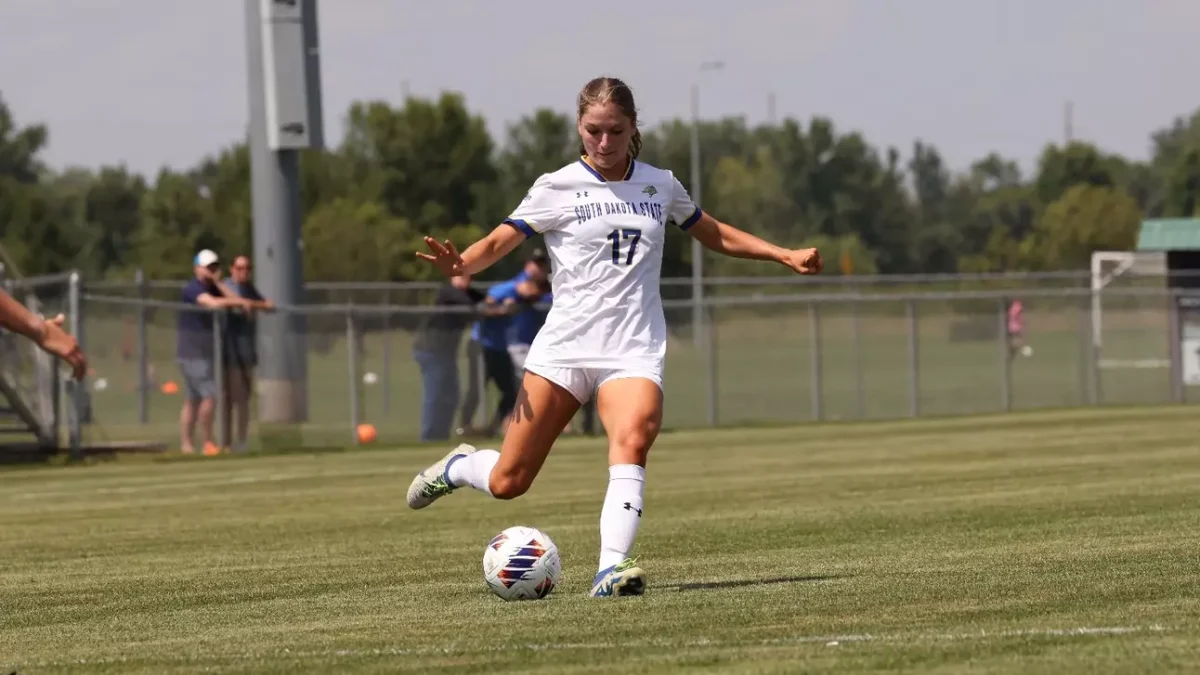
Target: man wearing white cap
{"type": "Point", "coordinates": [195, 349]}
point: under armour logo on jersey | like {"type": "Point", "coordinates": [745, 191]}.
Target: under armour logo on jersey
{"type": "Point", "coordinates": [580, 195]}
{"type": "Point", "coordinates": [629, 507]}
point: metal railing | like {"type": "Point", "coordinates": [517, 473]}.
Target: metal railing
{"type": "Point", "coordinates": [766, 357]}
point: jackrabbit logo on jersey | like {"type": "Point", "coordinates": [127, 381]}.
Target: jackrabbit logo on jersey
{"type": "Point", "coordinates": [650, 190]}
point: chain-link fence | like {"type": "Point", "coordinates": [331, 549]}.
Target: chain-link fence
{"type": "Point", "coordinates": [758, 357]}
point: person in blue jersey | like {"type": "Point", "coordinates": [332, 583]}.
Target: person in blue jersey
{"type": "Point", "coordinates": [493, 336]}
{"type": "Point", "coordinates": [527, 321]}
{"type": "Point", "coordinates": [481, 365]}
{"type": "Point", "coordinates": [604, 219]}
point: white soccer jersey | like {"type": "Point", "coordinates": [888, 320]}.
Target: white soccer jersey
{"type": "Point", "coordinates": [605, 243]}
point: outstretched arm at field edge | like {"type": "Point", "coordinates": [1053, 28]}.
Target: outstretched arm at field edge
{"type": "Point", "coordinates": [728, 240]}
{"type": "Point", "coordinates": [17, 318]}
{"type": "Point", "coordinates": [478, 256]}
{"type": "Point", "coordinates": [46, 334]}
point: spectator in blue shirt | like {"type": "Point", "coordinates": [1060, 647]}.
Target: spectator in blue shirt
{"type": "Point", "coordinates": [527, 321]}
{"type": "Point", "coordinates": [195, 349]}
{"type": "Point", "coordinates": [491, 332]}
{"type": "Point", "coordinates": [536, 268]}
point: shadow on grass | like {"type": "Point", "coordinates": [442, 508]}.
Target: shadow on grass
{"type": "Point", "coordinates": [740, 583]}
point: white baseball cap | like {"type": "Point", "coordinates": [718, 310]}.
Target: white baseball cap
{"type": "Point", "coordinates": [205, 258]}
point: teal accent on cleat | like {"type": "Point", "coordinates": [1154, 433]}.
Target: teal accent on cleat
{"type": "Point", "coordinates": [624, 578]}
{"type": "Point", "coordinates": [434, 482]}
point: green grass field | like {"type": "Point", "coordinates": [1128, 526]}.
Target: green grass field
{"type": "Point", "coordinates": [1038, 542]}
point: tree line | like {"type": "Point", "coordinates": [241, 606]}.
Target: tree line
{"type": "Point", "coordinates": [430, 166]}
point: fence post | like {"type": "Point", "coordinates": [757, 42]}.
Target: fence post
{"type": "Point", "coordinates": [860, 389]}
{"type": "Point", "coordinates": [1085, 352]}
{"type": "Point", "coordinates": [481, 410]}
{"type": "Point", "coordinates": [814, 349]}
{"type": "Point", "coordinates": [143, 375]}
{"type": "Point", "coordinates": [1175, 348]}
{"type": "Point", "coordinates": [224, 430]}
{"type": "Point", "coordinates": [387, 353]}
{"type": "Point", "coordinates": [352, 355]}
{"type": "Point", "coordinates": [709, 341]}
{"type": "Point", "coordinates": [1005, 356]}
{"type": "Point", "coordinates": [914, 366]}
{"type": "Point", "coordinates": [75, 400]}
{"type": "Point", "coordinates": [1094, 351]}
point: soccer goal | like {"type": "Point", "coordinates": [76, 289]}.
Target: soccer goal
{"type": "Point", "coordinates": [1114, 267]}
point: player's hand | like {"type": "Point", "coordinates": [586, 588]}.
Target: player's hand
{"type": "Point", "coordinates": [805, 261]}
{"type": "Point", "coordinates": [445, 258]}
{"type": "Point", "coordinates": [58, 342]}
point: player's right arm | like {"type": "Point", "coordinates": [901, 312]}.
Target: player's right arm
{"type": "Point", "coordinates": [487, 251]}
{"type": "Point", "coordinates": [538, 212]}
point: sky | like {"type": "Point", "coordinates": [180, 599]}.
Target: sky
{"type": "Point", "coordinates": [153, 83]}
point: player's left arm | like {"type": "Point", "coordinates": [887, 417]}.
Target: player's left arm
{"type": "Point", "coordinates": [729, 240]}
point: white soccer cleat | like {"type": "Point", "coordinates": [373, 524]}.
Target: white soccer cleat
{"type": "Point", "coordinates": [624, 578]}
{"type": "Point", "coordinates": [433, 481]}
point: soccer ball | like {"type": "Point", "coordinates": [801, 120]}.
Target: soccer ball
{"type": "Point", "coordinates": [521, 563]}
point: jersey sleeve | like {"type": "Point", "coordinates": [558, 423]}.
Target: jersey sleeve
{"type": "Point", "coordinates": [682, 210]}
{"type": "Point", "coordinates": [539, 211]}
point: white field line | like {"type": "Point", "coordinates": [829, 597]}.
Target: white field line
{"type": "Point", "coordinates": [833, 640]}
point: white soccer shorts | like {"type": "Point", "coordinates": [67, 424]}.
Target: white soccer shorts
{"type": "Point", "coordinates": [583, 383]}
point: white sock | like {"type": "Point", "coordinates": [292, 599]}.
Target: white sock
{"type": "Point", "coordinates": [622, 513]}
{"type": "Point", "coordinates": [475, 470]}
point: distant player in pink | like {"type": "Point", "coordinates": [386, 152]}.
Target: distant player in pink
{"type": "Point", "coordinates": [1016, 329]}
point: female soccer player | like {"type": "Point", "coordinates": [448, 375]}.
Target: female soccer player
{"type": "Point", "coordinates": [604, 220]}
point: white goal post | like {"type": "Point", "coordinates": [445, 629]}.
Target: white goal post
{"type": "Point", "coordinates": [1108, 266]}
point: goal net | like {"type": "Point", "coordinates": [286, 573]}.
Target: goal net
{"type": "Point", "coordinates": [1117, 269]}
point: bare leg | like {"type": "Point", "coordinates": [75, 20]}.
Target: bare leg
{"type": "Point", "coordinates": [207, 407]}
{"type": "Point", "coordinates": [187, 427]}
{"type": "Point", "coordinates": [631, 411]}
{"type": "Point", "coordinates": [542, 410]}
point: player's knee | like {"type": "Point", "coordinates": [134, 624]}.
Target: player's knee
{"type": "Point", "coordinates": [508, 485]}
{"type": "Point", "coordinates": [631, 443]}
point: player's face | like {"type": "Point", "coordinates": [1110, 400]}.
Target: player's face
{"type": "Point", "coordinates": [606, 133]}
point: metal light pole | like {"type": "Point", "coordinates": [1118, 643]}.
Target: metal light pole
{"type": "Point", "coordinates": [697, 249]}
{"type": "Point", "coordinates": [284, 87]}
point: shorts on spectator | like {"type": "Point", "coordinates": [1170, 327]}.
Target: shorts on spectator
{"type": "Point", "coordinates": [199, 379]}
